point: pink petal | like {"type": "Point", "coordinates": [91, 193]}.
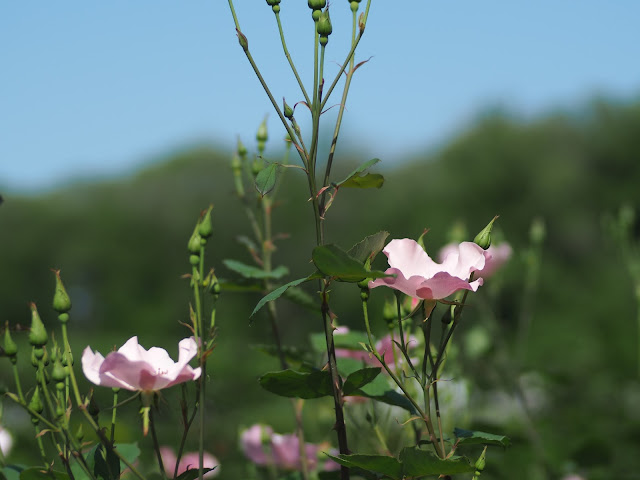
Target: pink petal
{"type": "Point", "coordinates": [408, 257]}
{"type": "Point", "coordinates": [251, 441]}
{"type": "Point", "coordinates": [91, 363]}
{"type": "Point", "coordinates": [442, 285]}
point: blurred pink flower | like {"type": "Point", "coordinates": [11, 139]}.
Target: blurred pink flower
{"type": "Point", "coordinates": [253, 440]}
{"type": "Point", "coordinates": [384, 347]}
{"type": "Point", "coordinates": [189, 461]}
{"type": "Point", "coordinates": [264, 447]}
{"type": "Point", "coordinates": [418, 276]}
{"type": "Point", "coordinates": [494, 257]}
{"type": "Point", "coordinates": [134, 368]}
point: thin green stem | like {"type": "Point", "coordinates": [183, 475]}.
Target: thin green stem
{"type": "Point", "coordinates": [16, 376]}
{"type": "Point", "coordinates": [290, 60]}
{"type": "Point", "coordinates": [156, 445]}
{"type": "Point", "coordinates": [114, 414]}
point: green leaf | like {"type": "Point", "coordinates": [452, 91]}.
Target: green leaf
{"type": "Point", "coordinates": [381, 464]}
{"type": "Point", "coordinates": [335, 262]}
{"type": "Point", "coordinates": [350, 340]}
{"type": "Point", "coordinates": [193, 473]}
{"type": "Point", "coordinates": [369, 247]}
{"type": "Point", "coordinates": [380, 390]}
{"type": "Point", "coordinates": [359, 379]}
{"type": "Point", "coordinates": [280, 290]}
{"type": "Point", "coordinates": [38, 473]}
{"type": "Point", "coordinates": [370, 180]}
{"type": "Point", "coordinates": [266, 179]}
{"type": "Point", "coordinates": [249, 271]}
{"type": "Point", "coordinates": [12, 472]}
{"type": "Point", "coordinates": [292, 384]}
{"type": "Point", "coordinates": [361, 169]}
{"type": "Point", "coordinates": [106, 463]}
{"type": "Point", "coordinates": [417, 463]}
{"type": "Point", "coordinates": [470, 437]}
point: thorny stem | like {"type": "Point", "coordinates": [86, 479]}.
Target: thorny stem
{"type": "Point", "coordinates": [423, 415]}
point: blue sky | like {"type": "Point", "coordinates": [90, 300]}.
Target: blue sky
{"type": "Point", "coordinates": [101, 88]}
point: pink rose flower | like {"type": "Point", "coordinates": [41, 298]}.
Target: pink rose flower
{"type": "Point", "coordinates": [494, 257]}
{"type": "Point", "coordinates": [134, 368]}
{"type": "Point", "coordinates": [189, 461]}
{"type": "Point", "coordinates": [418, 276]}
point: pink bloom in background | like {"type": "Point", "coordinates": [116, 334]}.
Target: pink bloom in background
{"type": "Point", "coordinates": [253, 442]}
{"type": "Point", "coordinates": [264, 447]}
{"type": "Point", "coordinates": [134, 368]}
{"type": "Point", "coordinates": [494, 257]}
{"type": "Point", "coordinates": [6, 441]}
{"type": "Point", "coordinates": [189, 461]}
{"type": "Point", "coordinates": [418, 276]}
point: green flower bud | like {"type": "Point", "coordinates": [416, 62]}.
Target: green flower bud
{"type": "Point", "coordinates": [38, 334]}
{"type": "Point", "coordinates": [537, 231]}
{"type": "Point", "coordinates": [35, 403]}
{"type": "Point", "coordinates": [483, 239]}
{"type": "Point", "coordinates": [61, 300]}
{"type": "Point", "coordinates": [244, 43]}
{"type": "Point", "coordinates": [316, 15]}
{"type": "Point", "coordinates": [274, 5]}
{"type": "Point", "coordinates": [236, 165]}
{"type": "Point", "coordinates": [389, 312]}
{"type": "Point", "coordinates": [59, 373]}
{"type": "Point", "coordinates": [354, 4]}
{"type": "Point", "coordinates": [256, 166]}
{"type": "Point", "coordinates": [242, 150]}
{"type": "Point", "coordinates": [481, 462]}
{"type": "Point", "coordinates": [194, 260]}
{"type": "Point", "coordinates": [262, 135]}
{"type": "Point", "coordinates": [206, 227]}
{"type": "Point", "coordinates": [194, 241]}
{"type": "Point", "coordinates": [10, 347]}
{"type": "Point", "coordinates": [324, 24]}
{"type": "Point", "coordinates": [288, 111]}
{"type": "Point", "coordinates": [317, 4]}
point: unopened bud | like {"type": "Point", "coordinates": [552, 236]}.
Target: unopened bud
{"type": "Point", "coordinates": [35, 403]}
{"type": "Point", "coordinates": [354, 4]}
{"type": "Point", "coordinates": [262, 135]}
{"type": "Point", "coordinates": [287, 110]}
{"type": "Point", "coordinates": [324, 24]}
{"type": "Point", "coordinates": [275, 5]}
{"type": "Point", "coordinates": [38, 334]}
{"type": "Point", "coordinates": [10, 347]}
{"type": "Point", "coordinates": [483, 239]}
{"type": "Point", "coordinates": [481, 462]}
{"type": "Point", "coordinates": [242, 150]}
{"type": "Point", "coordinates": [206, 227]}
{"type": "Point", "coordinates": [61, 300]}
{"type": "Point", "coordinates": [537, 231]}
{"type": "Point", "coordinates": [317, 4]}
{"type": "Point", "coordinates": [244, 43]}
{"type": "Point", "coordinates": [194, 241]}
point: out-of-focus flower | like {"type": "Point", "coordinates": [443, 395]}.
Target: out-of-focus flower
{"type": "Point", "coordinates": [495, 256]}
{"type": "Point", "coordinates": [189, 461]}
{"type": "Point", "coordinates": [573, 476]}
{"type": "Point", "coordinates": [418, 276]}
{"type": "Point", "coordinates": [384, 347]}
{"type": "Point", "coordinates": [264, 447]}
{"type": "Point", "coordinates": [253, 441]}
{"type": "Point", "coordinates": [6, 441]}
{"type": "Point", "coordinates": [134, 368]}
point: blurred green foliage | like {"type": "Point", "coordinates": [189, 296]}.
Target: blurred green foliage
{"type": "Point", "coordinates": [121, 248]}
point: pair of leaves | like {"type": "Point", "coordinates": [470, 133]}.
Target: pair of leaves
{"type": "Point", "coordinates": [334, 262]}
{"type": "Point", "coordinates": [364, 382]}
{"type": "Point", "coordinates": [316, 384]}
{"type": "Point", "coordinates": [412, 462]}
